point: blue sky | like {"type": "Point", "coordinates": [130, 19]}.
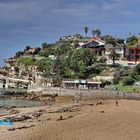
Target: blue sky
{"type": "Point", "coordinates": [32, 22]}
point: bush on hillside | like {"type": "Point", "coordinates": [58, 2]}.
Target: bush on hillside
{"type": "Point", "coordinates": [128, 81]}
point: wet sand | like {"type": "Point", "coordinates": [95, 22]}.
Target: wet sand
{"type": "Point", "coordinates": [85, 122]}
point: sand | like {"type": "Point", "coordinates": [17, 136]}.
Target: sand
{"type": "Point", "coordinates": [87, 122]}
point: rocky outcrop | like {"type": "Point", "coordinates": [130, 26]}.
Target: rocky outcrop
{"type": "Point", "coordinates": [21, 127]}
{"type": "Point", "coordinates": [25, 116]}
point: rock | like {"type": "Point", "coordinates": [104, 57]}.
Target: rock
{"type": "Point", "coordinates": [23, 117]}
{"type": "Point", "coordinates": [14, 111]}
{"type": "Point", "coordinates": [37, 114]}
{"type": "Point", "coordinates": [11, 129]}
{"type": "Point", "coordinates": [66, 109]}
{"type": "Point", "coordinates": [11, 107]}
{"type": "Point", "coordinates": [70, 116]}
{"type": "Point", "coordinates": [91, 104]}
{"type": "Point", "coordinates": [99, 103]}
{"type": "Point", "coordinates": [19, 118]}
{"type": "Point", "coordinates": [24, 127]}
{"type": "Point", "coordinates": [21, 127]}
{"type": "Point", "coordinates": [48, 119]}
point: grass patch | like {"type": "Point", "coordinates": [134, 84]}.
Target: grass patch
{"type": "Point", "coordinates": [126, 89]}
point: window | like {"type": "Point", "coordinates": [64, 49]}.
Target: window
{"type": "Point", "coordinates": [132, 51]}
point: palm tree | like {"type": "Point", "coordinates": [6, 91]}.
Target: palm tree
{"type": "Point", "coordinates": [93, 32]}
{"type": "Point", "coordinates": [86, 30]}
{"type": "Point", "coordinates": [96, 32]}
{"type": "Point", "coordinates": [114, 56]}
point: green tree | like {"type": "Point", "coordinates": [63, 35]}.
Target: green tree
{"type": "Point", "coordinates": [93, 32]}
{"type": "Point", "coordinates": [45, 65]}
{"type": "Point", "coordinates": [96, 32]}
{"type": "Point", "coordinates": [128, 81]}
{"type": "Point", "coordinates": [82, 69]}
{"type": "Point", "coordinates": [109, 39]}
{"type": "Point", "coordinates": [44, 45]}
{"type": "Point", "coordinates": [19, 53]}
{"type": "Point", "coordinates": [58, 66]}
{"type": "Point", "coordinates": [49, 50]}
{"type": "Point", "coordinates": [27, 48]}
{"type": "Point", "coordinates": [85, 55]}
{"type": "Point", "coordinates": [131, 41]}
{"type": "Point", "coordinates": [114, 56]}
{"type": "Point", "coordinates": [135, 75]}
{"type": "Point", "coordinates": [137, 69]}
{"type": "Point", "coordinates": [86, 30]}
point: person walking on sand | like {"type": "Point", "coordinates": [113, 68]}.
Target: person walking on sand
{"type": "Point", "coordinates": [117, 103]}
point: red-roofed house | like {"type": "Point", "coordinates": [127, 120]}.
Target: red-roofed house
{"type": "Point", "coordinates": [96, 44]}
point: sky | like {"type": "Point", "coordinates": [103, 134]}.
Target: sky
{"type": "Point", "coordinates": [32, 22]}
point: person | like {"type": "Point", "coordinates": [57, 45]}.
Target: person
{"type": "Point", "coordinates": [124, 94]}
{"type": "Point", "coordinates": [117, 93]}
{"type": "Point", "coordinates": [117, 103]}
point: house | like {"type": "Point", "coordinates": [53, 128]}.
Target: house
{"type": "Point", "coordinates": [52, 57]}
{"type": "Point", "coordinates": [95, 43]}
{"type": "Point", "coordinates": [133, 54]}
{"type": "Point", "coordinates": [82, 84]}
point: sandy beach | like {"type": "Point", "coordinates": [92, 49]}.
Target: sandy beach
{"type": "Point", "coordinates": [86, 120]}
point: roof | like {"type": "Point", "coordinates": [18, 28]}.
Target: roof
{"type": "Point", "coordinates": [82, 81]}
{"type": "Point", "coordinates": [97, 39]}
{"type": "Point", "coordinates": [97, 42]}
{"type": "Point", "coordinates": [85, 39]}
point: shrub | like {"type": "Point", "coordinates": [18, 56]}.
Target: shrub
{"type": "Point", "coordinates": [103, 59]}
{"type": "Point", "coordinates": [116, 81]}
{"type": "Point", "coordinates": [128, 81]}
{"type": "Point", "coordinates": [27, 61]}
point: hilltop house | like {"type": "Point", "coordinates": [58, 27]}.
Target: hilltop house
{"type": "Point", "coordinates": [132, 53]}
{"type": "Point", "coordinates": [95, 43]}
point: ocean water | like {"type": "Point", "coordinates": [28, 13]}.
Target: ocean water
{"type": "Point", "coordinates": [20, 103]}
{"type": "Point", "coordinates": [6, 123]}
